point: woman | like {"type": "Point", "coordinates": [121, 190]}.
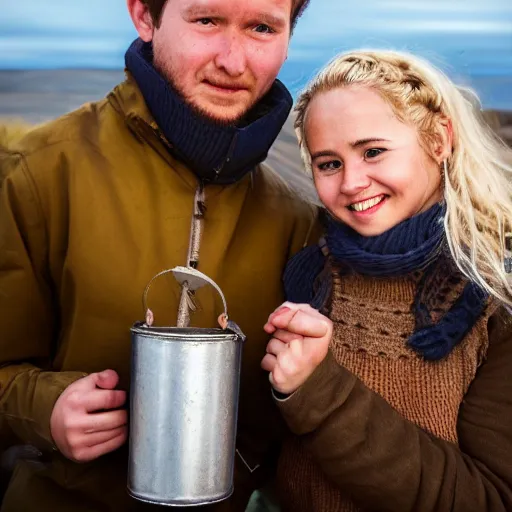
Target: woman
{"type": "Point", "coordinates": [399, 390]}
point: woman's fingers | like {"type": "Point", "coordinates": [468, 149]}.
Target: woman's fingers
{"type": "Point", "coordinates": [268, 363]}
{"type": "Point", "coordinates": [286, 336]}
{"type": "Point", "coordinates": [306, 322]}
{"type": "Point", "coordinates": [300, 341]}
{"type": "Point", "coordinates": [275, 347]}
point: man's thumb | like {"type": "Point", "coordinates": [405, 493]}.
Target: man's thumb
{"type": "Point", "coordinates": [106, 379]}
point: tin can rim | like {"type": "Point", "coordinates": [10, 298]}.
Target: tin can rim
{"type": "Point", "coordinates": [184, 333]}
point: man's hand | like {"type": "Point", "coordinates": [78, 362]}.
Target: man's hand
{"type": "Point", "coordinates": [86, 422]}
{"type": "Point", "coordinates": [300, 342]}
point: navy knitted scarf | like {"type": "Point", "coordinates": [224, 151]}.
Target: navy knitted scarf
{"type": "Point", "coordinates": [215, 153]}
{"type": "Point", "coordinates": [413, 245]}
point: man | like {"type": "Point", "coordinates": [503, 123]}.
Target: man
{"type": "Point", "coordinates": [99, 201]}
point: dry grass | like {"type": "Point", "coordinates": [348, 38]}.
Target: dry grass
{"type": "Point", "coordinates": [11, 130]}
{"type": "Point", "coordinates": [501, 123]}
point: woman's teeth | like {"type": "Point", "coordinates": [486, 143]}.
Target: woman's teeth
{"type": "Point", "coordinates": [366, 205]}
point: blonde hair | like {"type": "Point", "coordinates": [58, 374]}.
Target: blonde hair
{"type": "Point", "coordinates": [477, 179]}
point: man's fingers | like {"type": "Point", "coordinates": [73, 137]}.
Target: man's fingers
{"type": "Point", "coordinates": [97, 438]}
{"type": "Point", "coordinates": [103, 421]}
{"type": "Point", "coordinates": [107, 379]}
{"type": "Point", "coordinates": [104, 399]}
{"type": "Point", "coordinates": [269, 362]}
{"type": "Point", "coordinates": [91, 453]}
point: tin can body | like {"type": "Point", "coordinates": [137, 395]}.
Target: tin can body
{"type": "Point", "coordinates": [183, 414]}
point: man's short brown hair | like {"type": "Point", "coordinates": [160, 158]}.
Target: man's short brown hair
{"type": "Point", "coordinates": [157, 6]}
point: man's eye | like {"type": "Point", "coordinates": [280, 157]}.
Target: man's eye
{"type": "Point", "coordinates": [334, 165]}
{"type": "Point", "coordinates": [205, 21]}
{"type": "Point", "coordinates": [373, 152]}
{"type": "Point", "coordinates": [264, 29]}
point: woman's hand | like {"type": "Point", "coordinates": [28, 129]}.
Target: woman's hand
{"type": "Point", "coordinates": [300, 342]}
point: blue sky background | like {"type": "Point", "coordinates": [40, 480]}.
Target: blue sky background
{"type": "Point", "coordinates": [470, 39]}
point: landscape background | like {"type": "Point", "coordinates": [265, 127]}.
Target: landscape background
{"type": "Point", "coordinates": [56, 55]}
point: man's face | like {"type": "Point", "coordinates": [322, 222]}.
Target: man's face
{"type": "Point", "coordinates": [222, 56]}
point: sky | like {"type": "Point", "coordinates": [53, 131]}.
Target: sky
{"type": "Point", "coordinates": [470, 39]}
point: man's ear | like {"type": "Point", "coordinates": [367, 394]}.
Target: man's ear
{"type": "Point", "coordinates": [141, 18]}
{"type": "Point", "coordinates": [444, 140]}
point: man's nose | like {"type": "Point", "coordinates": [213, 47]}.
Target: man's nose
{"type": "Point", "coordinates": [231, 56]}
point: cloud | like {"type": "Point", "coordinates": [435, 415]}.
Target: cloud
{"type": "Point", "coordinates": [451, 27]}
{"type": "Point", "coordinates": [338, 20]}
{"type": "Point", "coordinates": [453, 7]}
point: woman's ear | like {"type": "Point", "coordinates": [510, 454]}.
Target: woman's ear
{"type": "Point", "coordinates": [443, 145]}
{"type": "Point", "coordinates": [141, 18]}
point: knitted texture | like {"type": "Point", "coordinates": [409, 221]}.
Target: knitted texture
{"type": "Point", "coordinates": [436, 335]}
{"type": "Point", "coordinates": [372, 320]}
{"type": "Point", "coordinates": [411, 245]}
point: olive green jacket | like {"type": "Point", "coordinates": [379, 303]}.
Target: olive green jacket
{"type": "Point", "coordinates": [93, 205]}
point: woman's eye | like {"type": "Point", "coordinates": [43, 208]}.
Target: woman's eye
{"type": "Point", "coordinates": [334, 165]}
{"type": "Point", "coordinates": [373, 152]}
{"type": "Point", "coordinates": [264, 29]}
{"type": "Point", "coordinates": [205, 21]}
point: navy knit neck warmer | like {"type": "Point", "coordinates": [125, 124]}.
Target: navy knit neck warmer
{"type": "Point", "coordinates": [413, 245]}
{"type": "Point", "coordinates": [216, 154]}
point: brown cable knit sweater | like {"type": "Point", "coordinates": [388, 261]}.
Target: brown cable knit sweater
{"type": "Point", "coordinates": [379, 426]}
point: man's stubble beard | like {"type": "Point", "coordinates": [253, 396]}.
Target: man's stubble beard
{"type": "Point", "coordinates": [168, 74]}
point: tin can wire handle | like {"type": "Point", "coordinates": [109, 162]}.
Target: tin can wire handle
{"type": "Point", "coordinates": [192, 279]}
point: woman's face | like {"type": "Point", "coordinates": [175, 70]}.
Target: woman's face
{"type": "Point", "coordinates": [369, 168]}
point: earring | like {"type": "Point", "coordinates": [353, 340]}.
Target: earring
{"type": "Point", "coordinates": [508, 253]}
{"type": "Point", "coordinates": [444, 171]}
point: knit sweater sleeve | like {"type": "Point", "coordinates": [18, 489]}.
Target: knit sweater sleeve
{"type": "Point", "coordinates": [387, 463]}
